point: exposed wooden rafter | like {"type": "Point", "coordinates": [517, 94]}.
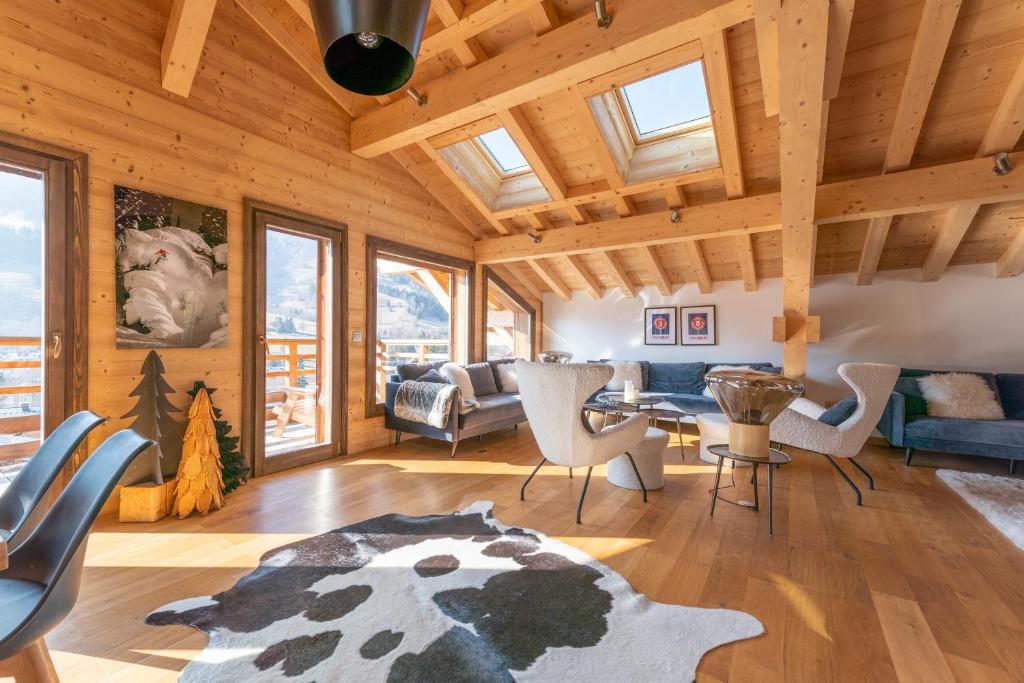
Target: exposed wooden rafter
{"type": "Point", "coordinates": [429, 182]}
{"type": "Point", "coordinates": [592, 284]}
{"type": "Point", "coordinates": [933, 33]}
{"type": "Point", "coordinates": [467, 24]}
{"type": "Point", "coordinates": [954, 227]}
{"type": "Point", "coordinates": [1006, 127]}
{"type": "Point", "coordinates": [183, 43]}
{"type": "Point", "coordinates": [466, 50]}
{"type": "Point", "coordinates": [301, 8]}
{"type": "Point", "coordinates": [464, 188]}
{"type": "Point", "coordinates": [548, 275]}
{"type": "Point", "coordinates": [766, 25]}
{"type": "Point", "coordinates": [699, 266]}
{"type": "Point", "coordinates": [748, 265]}
{"type": "Point", "coordinates": [619, 275]}
{"type": "Point", "coordinates": [543, 65]}
{"type": "Point", "coordinates": [1011, 263]}
{"type": "Point", "coordinates": [657, 269]}
{"type": "Point", "coordinates": [582, 115]}
{"type": "Point", "coordinates": [534, 150]}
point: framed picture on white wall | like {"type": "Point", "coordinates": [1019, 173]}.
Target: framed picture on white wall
{"type": "Point", "coordinates": [699, 326]}
{"type": "Point", "coordinates": [660, 326]}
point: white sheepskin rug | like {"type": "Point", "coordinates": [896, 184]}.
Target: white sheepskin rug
{"type": "Point", "coordinates": [457, 597]}
{"type": "Point", "coordinates": [960, 395]}
{"type": "Point", "coordinates": [1000, 500]}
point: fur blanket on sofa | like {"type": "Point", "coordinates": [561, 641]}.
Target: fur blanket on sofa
{"type": "Point", "coordinates": [427, 402]}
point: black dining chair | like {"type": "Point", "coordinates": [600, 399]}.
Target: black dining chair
{"type": "Point", "coordinates": [40, 586]}
{"type": "Point", "coordinates": [20, 500]}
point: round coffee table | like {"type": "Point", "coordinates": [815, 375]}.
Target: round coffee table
{"type": "Point", "coordinates": [775, 457]}
{"type": "Point", "coordinates": [642, 402]}
{"type": "Point", "coordinates": [674, 415]}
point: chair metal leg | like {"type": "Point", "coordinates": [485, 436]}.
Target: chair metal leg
{"type": "Point", "coordinates": [455, 445]}
{"type": "Point", "coordinates": [570, 473]}
{"type": "Point", "coordinates": [848, 480]}
{"type": "Point", "coordinates": [522, 491]}
{"type": "Point", "coordinates": [907, 455]}
{"type": "Point", "coordinates": [637, 473]}
{"type": "Point", "coordinates": [1013, 467]}
{"type": "Point", "coordinates": [579, 507]}
{"type": "Point", "coordinates": [679, 434]}
{"type": "Point", "coordinates": [871, 480]}
{"type": "Point", "coordinates": [398, 437]}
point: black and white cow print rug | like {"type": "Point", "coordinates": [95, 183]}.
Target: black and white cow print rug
{"type": "Point", "coordinates": [457, 597]}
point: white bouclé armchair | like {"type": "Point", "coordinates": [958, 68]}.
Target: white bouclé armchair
{"type": "Point", "coordinates": [553, 396]}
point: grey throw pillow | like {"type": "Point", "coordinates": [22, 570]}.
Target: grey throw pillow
{"type": "Point", "coordinates": [840, 412]}
{"type": "Point", "coordinates": [482, 377]}
{"type": "Point", "coordinates": [432, 375]}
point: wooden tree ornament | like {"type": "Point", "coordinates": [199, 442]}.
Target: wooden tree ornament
{"type": "Point", "coordinates": [200, 483]}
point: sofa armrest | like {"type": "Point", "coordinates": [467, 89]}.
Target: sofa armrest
{"type": "Point", "coordinates": [893, 419]}
{"type": "Point", "coordinates": [390, 393]}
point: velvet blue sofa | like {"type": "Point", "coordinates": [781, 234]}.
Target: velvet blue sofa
{"type": "Point", "coordinates": [684, 382]}
{"type": "Point", "coordinates": [906, 423]}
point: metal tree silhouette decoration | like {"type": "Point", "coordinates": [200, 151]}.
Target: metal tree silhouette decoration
{"type": "Point", "coordinates": [152, 416]}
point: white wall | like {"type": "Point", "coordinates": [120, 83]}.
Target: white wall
{"type": "Point", "coordinates": [967, 320]}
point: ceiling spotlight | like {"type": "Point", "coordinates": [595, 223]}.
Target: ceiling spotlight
{"type": "Point", "coordinates": [1003, 165]}
{"type": "Point", "coordinates": [416, 96]}
{"type": "Point", "coordinates": [533, 237]}
{"type": "Point", "coordinates": [604, 20]}
{"type": "Point", "coordinates": [676, 216]}
{"type": "Point", "coordinates": [369, 46]}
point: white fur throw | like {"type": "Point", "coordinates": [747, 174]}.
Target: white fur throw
{"type": "Point", "coordinates": [707, 391]}
{"type": "Point", "coordinates": [458, 375]}
{"type": "Point", "coordinates": [624, 370]}
{"type": "Point", "coordinates": [960, 395]}
{"type": "Point", "coordinates": [507, 374]}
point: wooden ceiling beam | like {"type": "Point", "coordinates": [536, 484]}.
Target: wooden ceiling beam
{"type": "Point", "coordinates": [571, 53]}
{"type": "Point", "coordinates": [516, 270]}
{"type": "Point", "coordinates": [584, 116]}
{"type": "Point", "coordinates": [593, 285]}
{"type": "Point", "coordinates": [619, 275]}
{"type": "Point", "coordinates": [699, 265]}
{"type": "Point", "coordinates": [1007, 125]}
{"type": "Point", "coordinates": [538, 221]}
{"type": "Point", "coordinates": [578, 214]}
{"type": "Point", "coordinates": [550, 278]}
{"type": "Point", "coordinates": [766, 26]}
{"type": "Point", "coordinates": [930, 43]}
{"type": "Point", "coordinates": [468, 50]}
{"type": "Point", "coordinates": [600, 192]}
{"type": "Point", "coordinates": [1011, 263]}
{"type": "Point", "coordinates": [534, 150]}
{"type": "Point", "coordinates": [840, 19]}
{"type": "Point", "coordinates": [624, 206]}
{"type": "Point", "coordinates": [675, 197]}
{"type": "Point", "coordinates": [465, 189]}
{"type": "Point", "coordinates": [429, 183]}
{"type": "Point", "coordinates": [723, 112]}
{"type": "Point", "coordinates": [748, 265]}
{"type": "Point", "coordinates": [543, 17]}
{"type": "Point", "coordinates": [954, 227]}
{"type": "Point", "coordinates": [471, 21]}
{"type": "Point", "coordinates": [913, 191]}
{"type": "Point", "coordinates": [301, 7]}
{"type": "Point", "coordinates": [657, 269]}
{"type": "Point", "coordinates": [186, 33]}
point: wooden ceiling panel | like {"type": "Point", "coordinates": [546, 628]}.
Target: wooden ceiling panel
{"type": "Point", "coordinates": [506, 34]}
{"type": "Point", "coordinates": [758, 135]}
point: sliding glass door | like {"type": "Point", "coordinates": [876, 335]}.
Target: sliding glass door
{"type": "Point", "coordinates": [295, 341]}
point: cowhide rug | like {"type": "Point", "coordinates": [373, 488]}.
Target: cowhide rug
{"type": "Point", "coordinates": [457, 597]}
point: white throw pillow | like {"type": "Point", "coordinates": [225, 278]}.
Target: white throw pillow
{"type": "Point", "coordinates": [624, 370]}
{"type": "Point", "coordinates": [458, 375]}
{"type": "Point", "coordinates": [507, 375]}
{"type": "Point", "coordinates": [707, 390]}
{"type": "Point", "coordinates": [960, 395]}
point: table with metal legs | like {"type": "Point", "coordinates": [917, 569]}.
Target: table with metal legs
{"type": "Point", "coordinates": [774, 459]}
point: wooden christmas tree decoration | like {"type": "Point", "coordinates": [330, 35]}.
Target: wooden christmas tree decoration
{"type": "Point", "coordinates": [146, 496]}
{"type": "Point", "coordinates": [200, 484]}
{"type": "Point", "coordinates": [234, 470]}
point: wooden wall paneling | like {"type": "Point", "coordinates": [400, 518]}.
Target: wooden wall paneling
{"type": "Point", "coordinates": [183, 43]}
{"type": "Point", "coordinates": [803, 30]}
{"type": "Point", "coordinates": [442, 194]}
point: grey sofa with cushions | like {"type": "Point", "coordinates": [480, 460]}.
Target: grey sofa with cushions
{"type": "Point", "coordinates": [498, 409]}
{"type": "Point", "coordinates": [684, 382]}
{"type": "Point", "coordinates": [906, 423]}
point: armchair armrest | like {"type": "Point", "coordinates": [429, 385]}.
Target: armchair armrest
{"type": "Point", "coordinates": [893, 419]}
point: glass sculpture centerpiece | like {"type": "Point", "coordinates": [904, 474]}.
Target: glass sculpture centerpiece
{"type": "Point", "coordinates": [554, 357]}
{"type": "Point", "coordinates": [751, 400]}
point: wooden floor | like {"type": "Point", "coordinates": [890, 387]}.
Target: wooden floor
{"type": "Point", "coordinates": [914, 586]}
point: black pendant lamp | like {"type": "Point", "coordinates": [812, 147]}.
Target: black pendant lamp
{"type": "Point", "coordinates": [370, 46]}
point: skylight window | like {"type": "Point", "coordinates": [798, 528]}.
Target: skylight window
{"type": "Point", "coordinates": [670, 102]}
{"type": "Point", "coordinates": [503, 152]}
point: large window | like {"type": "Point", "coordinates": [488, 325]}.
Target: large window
{"type": "Point", "coordinates": [508, 319]}
{"type": "Point", "coordinates": [669, 103]}
{"type": "Point", "coordinates": [418, 310]}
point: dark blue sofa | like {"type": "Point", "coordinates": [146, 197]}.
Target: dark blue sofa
{"type": "Point", "coordinates": [684, 382]}
{"type": "Point", "coordinates": [906, 423]}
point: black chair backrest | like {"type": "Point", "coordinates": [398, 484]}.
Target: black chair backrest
{"type": "Point", "coordinates": [25, 493]}
{"type": "Point", "coordinates": [54, 553]}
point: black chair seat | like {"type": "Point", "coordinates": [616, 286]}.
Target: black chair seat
{"type": "Point", "coordinates": [18, 598]}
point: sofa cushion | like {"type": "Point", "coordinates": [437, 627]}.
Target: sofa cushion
{"type": "Point", "coordinates": [677, 378]}
{"type": "Point", "coordinates": [508, 381]}
{"type": "Point", "coordinates": [840, 412]}
{"type": "Point", "coordinates": [408, 371]}
{"type": "Point", "coordinates": [623, 371]}
{"type": "Point", "coordinates": [1011, 395]}
{"type": "Point", "coordinates": [494, 408]}
{"type": "Point", "coordinates": [724, 366]}
{"type": "Point", "coordinates": [992, 432]}
{"type": "Point", "coordinates": [495, 366]}
{"type": "Point", "coordinates": [914, 403]}
{"type": "Point", "coordinates": [694, 404]}
{"type": "Point", "coordinates": [432, 375]}
{"type": "Point", "coordinates": [482, 377]}
{"type": "Point", "coordinates": [645, 372]}
{"type": "Point", "coordinates": [960, 395]}
{"type": "Point", "coordinates": [456, 374]}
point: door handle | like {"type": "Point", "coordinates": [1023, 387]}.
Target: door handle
{"type": "Point", "coordinates": [58, 346]}
{"type": "Point", "coordinates": [262, 340]}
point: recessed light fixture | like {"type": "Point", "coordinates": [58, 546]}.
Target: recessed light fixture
{"type": "Point", "coordinates": [533, 237]}
{"type": "Point", "coordinates": [1003, 164]}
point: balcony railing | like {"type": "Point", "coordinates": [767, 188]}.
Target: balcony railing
{"type": "Point", "coordinates": [23, 429]}
{"type": "Point", "coordinates": [288, 351]}
{"type": "Point", "coordinates": [393, 352]}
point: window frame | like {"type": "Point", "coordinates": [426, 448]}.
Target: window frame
{"type": "Point", "coordinates": [493, 163]}
{"type": "Point", "coordinates": [626, 111]}
{"type": "Point", "coordinates": [490, 275]}
{"type": "Point", "coordinates": [382, 248]}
